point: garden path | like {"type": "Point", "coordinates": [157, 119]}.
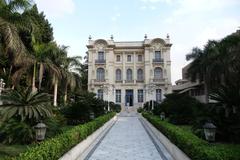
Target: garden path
{"type": "Point", "coordinates": [126, 140]}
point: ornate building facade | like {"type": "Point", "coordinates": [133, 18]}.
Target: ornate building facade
{"type": "Point", "coordinates": [129, 72]}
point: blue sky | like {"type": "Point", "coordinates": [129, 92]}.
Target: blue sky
{"type": "Point", "coordinates": [189, 22]}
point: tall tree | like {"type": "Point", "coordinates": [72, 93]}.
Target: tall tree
{"type": "Point", "coordinates": [202, 67]}
{"type": "Point", "coordinates": [71, 75]}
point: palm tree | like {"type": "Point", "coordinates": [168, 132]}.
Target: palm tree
{"type": "Point", "coordinates": [12, 45]}
{"type": "Point", "coordinates": [71, 75]}
{"type": "Point", "coordinates": [203, 66]}
{"type": "Point", "coordinates": [58, 57]}
{"type": "Point", "coordinates": [10, 20]}
{"type": "Point", "coordinates": [25, 104]}
{"type": "Point", "coordinates": [42, 56]}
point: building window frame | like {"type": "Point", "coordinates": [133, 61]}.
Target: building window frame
{"type": "Point", "coordinates": [118, 58]}
{"type": "Point", "coordinates": [140, 58]}
{"type": "Point", "coordinates": [140, 74]}
{"type": "Point", "coordinates": [118, 96]}
{"type": "Point", "coordinates": [100, 94]}
{"type": "Point", "coordinates": [140, 96]}
{"type": "Point", "coordinates": [118, 75]}
{"type": "Point", "coordinates": [129, 58]}
{"type": "Point", "coordinates": [158, 73]}
{"type": "Point", "coordinates": [129, 74]}
{"type": "Point", "coordinates": [158, 55]}
{"type": "Point", "coordinates": [101, 55]}
{"type": "Point", "coordinates": [100, 74]}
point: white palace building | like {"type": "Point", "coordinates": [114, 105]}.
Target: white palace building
{"type": "Point", "coordinates": [129, 72]}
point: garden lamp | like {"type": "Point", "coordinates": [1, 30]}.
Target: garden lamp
{"type": "Point", "coordinates": [209, 131]}
{"type": "Point", "coordinates": [91, 115]}
{"type": "Point", "coordinates": [162, 116]}
{"type": "Point", "coordinates": [40, 129]}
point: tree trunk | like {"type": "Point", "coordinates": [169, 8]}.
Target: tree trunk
{"type": "Point", "coordinates": [34, 78]}
{"type": "Point", "coordinates": [206, 89]}
{"type": "Point", "coordinates": [55, 93]}
{"type": "Point", "coordinates": [40, 76]}
{"type": "Point", "coordinates": [10, 71]}
{"type": "Point", "coordinates": [65, 95]}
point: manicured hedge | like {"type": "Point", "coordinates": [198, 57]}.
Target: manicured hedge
{"type": "Point", "coordinates": [194, 147]}
{"type": "Point", "coordinates": [54, 148]}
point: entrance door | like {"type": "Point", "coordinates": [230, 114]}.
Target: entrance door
{"type": "Point", "coordinates": [129, 97]}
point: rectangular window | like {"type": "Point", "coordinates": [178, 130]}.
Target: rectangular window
{"type": "Point", "coordinates": [118, 96]}
{"type": "Point", "coordinates": [118, 58]}
{"type": "Point", "coordinates": [139, 58]}
{"type": "Point", "coordinates": [140, 95]}
{"type": "Point", "coordinates": [157, 55]}
{"type": "Point", "coordinates": [129, 58]}
{"type": "Point", "coordinates": [158, 95]}
{"type": "Point", "coordinates": [100, 55]}
{"type": "Point", "coordinates": [100, 94]}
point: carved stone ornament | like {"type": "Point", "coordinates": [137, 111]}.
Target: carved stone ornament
{"type": "Point", "coordinates": [100, 46]}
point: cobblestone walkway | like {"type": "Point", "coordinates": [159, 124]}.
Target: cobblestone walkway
{"type": "Point", "coordinates": [127, 140]}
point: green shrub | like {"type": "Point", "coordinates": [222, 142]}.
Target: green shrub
{"type": "Point", "coordinates": [194, 147]}
{"type": "Point", "coordinates": [79, 111]}
{"type": "Point", "coordinates": [140, 110]}
{"type": "Point", "coordinates": [180, 108]}
{"type": "Point", "coordinates": [14, 131]}
{"type": "Point", "coordinates": [115, 107]}
{"type": "Point", "coordinates": [54, 148]}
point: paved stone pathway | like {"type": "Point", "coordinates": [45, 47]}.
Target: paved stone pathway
{"type": "Point", "coordinates": [127, 140]}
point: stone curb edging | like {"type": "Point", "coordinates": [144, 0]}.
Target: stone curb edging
{"type": "Point", "coordinates": [171, 148]}
{"type": "Point", "coordinates": [82, 150]}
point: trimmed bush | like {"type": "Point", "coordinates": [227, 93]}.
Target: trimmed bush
{"type": "Point", "coordinates": [194, 147]}
{"type": "Point", "coordinates": [54, 148]}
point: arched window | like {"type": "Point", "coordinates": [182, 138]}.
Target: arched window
{"type": "Point", "coordinates": [100, 74]}
{"type": "Point", "coordinates": [129, 75]}
{"type": "Point", "coordinates": [158, 73]}
{"type": "Point", "coordinates": [118, 75]}
{"type": "Point", "coordinates": [140, 74]}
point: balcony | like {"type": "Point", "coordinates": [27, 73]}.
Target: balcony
{"type": "Point", "coordinates": [139, 80]}
{"type": "Point", "coordinates": [96, 81]}
{"type": "Point", "coordinates": [158, 60]}
{"type": "Point", "coordinates": [159, 80]}
{"type": "Point", "coordinates": [129, 81]}
{"type": "Point", "coordinates": [100, 61]}
{"type": "Point", "coordinates": [118, 81]}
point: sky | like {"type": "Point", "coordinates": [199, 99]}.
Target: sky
{"type": "Point", "coordinates": [190, 23]}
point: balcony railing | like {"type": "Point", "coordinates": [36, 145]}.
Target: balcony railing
{"type": "Point", "coordinates": [139, 80]}
{"type": "Point", "coordinates": [129, 81]}
{"type": "Point", "coordinates": [100, 61]}
{"type": "Point", "coordinates": [158, 60]}
{"type": "Point", "coordinates": [99, 80]}
{"type": "Point", "coordinates": [158, 80]}
{"type": "Point", "coordinates": [118, 81]}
